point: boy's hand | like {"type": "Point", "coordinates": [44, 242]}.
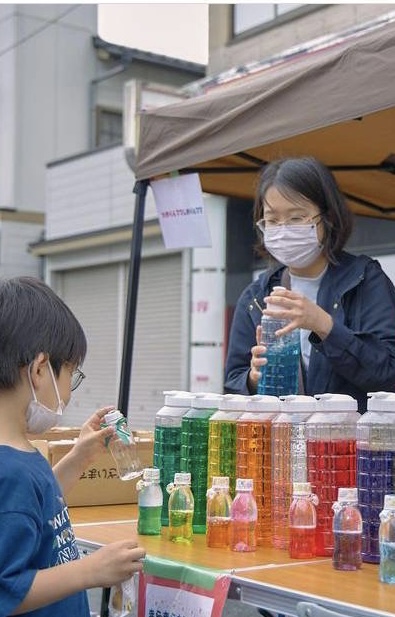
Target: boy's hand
{"type": "Point", "coordinates": [93, 438]}
{"type": "Point", "coordinates": [114, 563]}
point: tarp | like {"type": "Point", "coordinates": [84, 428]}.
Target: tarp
{"type": "Point", "coordinates": [336, 103]}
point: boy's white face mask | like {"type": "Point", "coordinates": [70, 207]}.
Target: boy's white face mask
{"type": "Point", "coordinates": [40, 418]}
{"type": "Point", "coordinates": [293, 245]}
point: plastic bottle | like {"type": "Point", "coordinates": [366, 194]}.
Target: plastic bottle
{"type": "Point", "coordinates": [181, 508]}
{"type": "Point", "coordinates": [347, 531]}
{"type": "Point", "coordinates": [331, 459]}
{"type": "Point", "coordinates": [387, 541]}
{"type": "Point", "coordinates": [243, 517]}
{"type": "Point", "coordinates": [150, 500]}
{"type": "Point", "coordinates": [375, 467]}
{"type": "Point", "coordinates": [167, 440]}
{"type": "Point", "coordinates": [194, 450]}
{"type": "Point", "coordinates": [289, 460]}
{"type": "Point", "coordinates": [222, 439]}
{"type": "Point", "coordinates": [280, 376]}
{"type": "Point", "coordinates": [302, 522]}
{"type": "Point", "coordinates": [219, 504]}
{"type": "Point", "coordinates": [123, 446]}
{"type": "Point", "coordinates": [254, 456]}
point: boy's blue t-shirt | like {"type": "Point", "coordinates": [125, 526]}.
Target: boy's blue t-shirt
{"type": "Point", "coordinates": [35, 532]}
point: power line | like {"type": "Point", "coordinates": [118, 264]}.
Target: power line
{"type": "Point", "coordinates": [46, 25]}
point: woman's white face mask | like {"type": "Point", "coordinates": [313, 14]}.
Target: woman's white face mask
{"type": "Point", "coordinates": [296, 246]}
{"type": "Point", "coordinates": [40, 418]}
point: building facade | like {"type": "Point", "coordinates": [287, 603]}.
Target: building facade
{"type": "Point", "coordinates": [67, 201]}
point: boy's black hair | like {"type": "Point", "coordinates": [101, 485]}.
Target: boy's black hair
{"type": "Point", "coordinates": [34, 319]}
{"type": "Point", "coordinates": [308, 177]}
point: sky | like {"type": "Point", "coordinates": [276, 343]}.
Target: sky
{"type": "Point", "coordinates": [179, 30]}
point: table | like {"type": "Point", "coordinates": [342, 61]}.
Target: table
{"type": "Point", "coordinates": [266, 578]}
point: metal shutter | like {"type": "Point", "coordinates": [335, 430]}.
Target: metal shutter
{"type": "Point", "coordinates": [92, 294]}
{"type": "Point", "coordinates": [157, 355]}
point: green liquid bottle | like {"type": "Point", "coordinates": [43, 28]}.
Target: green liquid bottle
{"type": "Point", "coordinates": [194, 451]}
{"type": "Point", "coordinates": [167, 441]}
{"type": "Point", "coordinates": [150, 500]}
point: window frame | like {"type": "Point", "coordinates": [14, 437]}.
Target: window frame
{"type": "Point", "coordinates": [99, 111]}
{"type": "Point", "coordinates": [278, 20]}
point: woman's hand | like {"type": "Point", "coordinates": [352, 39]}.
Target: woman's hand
{"type": "Point", "coordinates": [257, 361]}
{"type": "Point", "coordinates": [299, 311]}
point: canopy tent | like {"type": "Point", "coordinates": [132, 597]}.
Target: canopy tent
{"type": "Point", "coordinates": [336, 103]}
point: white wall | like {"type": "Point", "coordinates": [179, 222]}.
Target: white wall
{"type": "Point", "coordinates": [90, 193]}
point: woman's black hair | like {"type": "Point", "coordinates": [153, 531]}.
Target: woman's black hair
{"type": "Point", "coordinates": [311, 179]}
{"type": "Point", "coordinates": [34, 319]}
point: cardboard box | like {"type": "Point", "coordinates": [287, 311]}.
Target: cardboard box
{"type": "Point", "coordinates": [57, 432]}
{"type": "Point", "coordinates": [99, 484]}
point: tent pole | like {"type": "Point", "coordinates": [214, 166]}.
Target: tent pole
{"type": "Point", "coordinates": [140, 189]}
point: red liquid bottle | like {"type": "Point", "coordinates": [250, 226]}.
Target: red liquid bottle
{"type": "Point", "coordinates": [331, 458]}
{"type": "Point", "coordinates": [302, 522]}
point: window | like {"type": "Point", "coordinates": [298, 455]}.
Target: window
{"type": "Point", "coordinates": [248, 17]}
{"type": "Point", "coordinates": [109, 126]}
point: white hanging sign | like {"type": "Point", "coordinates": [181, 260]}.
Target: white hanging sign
{"type": "Point", "coordinates": [181, 212]}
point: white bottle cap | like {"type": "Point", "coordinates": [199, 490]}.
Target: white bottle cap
{"type": "Point", "coordinates": [178, 398]}
{"type": "Point", "coordinates": [349, 495]}
{"type": "Point", "coordinates": [206, 400]}
{"type": "Point", "coordinates": [336, 402]}
{"type": "Point", "coordinates": [112, 416]}
{"type": "Point", "coordinates": [220, 482]}
{"type": "Point", "coordinates": [381, 401]}
{"type": "Point", "coordinates": [297, 402]}
{"type": "Point", "coordinates": [244, 484]}
{"type": "Point", "coordinates": [233, 402]}
{"type": "Point", "coordinates": [275, 307]}
{"type": "Point", "coordinates": [263, 403]}
{"type": "Point", "coordinates": [389, 502]}
{"type": "Point", "coordinates": [151, 474]}
{"type": "Point", "coordinates": [182, 478]}
{"type": "Point", "coordinates": [301, 488]}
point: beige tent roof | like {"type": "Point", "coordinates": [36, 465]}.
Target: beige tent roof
{"type": "Point", "coordinates": [336, 103]}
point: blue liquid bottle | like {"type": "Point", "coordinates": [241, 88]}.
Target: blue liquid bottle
{"type": "Point", "coordinates": [280, 376]}
{"type": "Point", "coordinates": [222, 439]}
{"type": "Point", "coordinates": [194, 451]}
{"type": "Point", "coordinates": [167, 441]}
{"type": "Point", "coordinates": [387, 541]}
{"type": "Point", "coordinates": [375, 467]}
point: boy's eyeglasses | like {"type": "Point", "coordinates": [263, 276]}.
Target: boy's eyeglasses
{"type": "Point", "coordinates": [76, 377]}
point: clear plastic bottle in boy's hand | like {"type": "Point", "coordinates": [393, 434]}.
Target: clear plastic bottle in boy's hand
{"type": "Point", "coordinates": [123, 446]}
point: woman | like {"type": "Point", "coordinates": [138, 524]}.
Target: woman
{"type": "Point", "coordinates": [344, 304]}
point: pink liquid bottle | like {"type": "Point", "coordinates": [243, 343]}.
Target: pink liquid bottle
{"type": "Point", "coordinates": [222, 439]}
{"type": "Point", "coordinates": [375, 467]}
{"type": "Point", "coordinates": [347, 531]}
{"type": "Point", "coordinates": [243, 517]}
{"type": "Point", "coordinates": [331, 458]}
{"type": "Point", "coordinates": [254, 456]}
{"type": "Point", "coordinates": [302, 522]}
{"type": "Point", "coordinates": [289, 459]}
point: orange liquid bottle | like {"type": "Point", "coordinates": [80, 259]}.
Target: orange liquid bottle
{"type": "Point", "coordinates": [219, 504]}
{"type": "Point", "coordinates": [254, 456]}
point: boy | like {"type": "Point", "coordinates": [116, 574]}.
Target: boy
{"type": "Point", "coordinates": [41, 347]}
